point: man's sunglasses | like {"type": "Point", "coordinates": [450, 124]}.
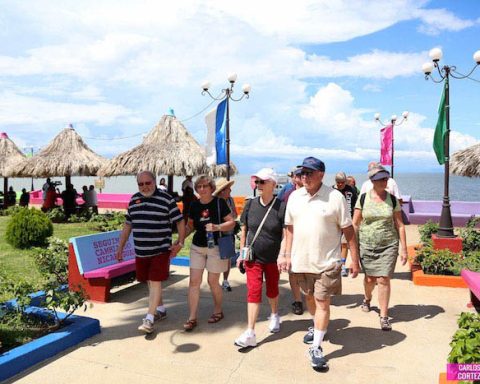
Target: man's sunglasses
{"type": "Point", "coordinates": [260, 182]}
{"type": "Point", "coordinates": [145, 183]}
{"type": "Point", "coordinates": [306, 173]}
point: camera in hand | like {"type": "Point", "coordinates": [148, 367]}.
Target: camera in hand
{"type": "Point", "coordinates": [55, 183]}
{"type": "Point", "coordinates": [241, 268]}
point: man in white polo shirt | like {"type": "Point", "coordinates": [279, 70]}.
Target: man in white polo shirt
{"type": "Point", "coordinates": [315, 218]}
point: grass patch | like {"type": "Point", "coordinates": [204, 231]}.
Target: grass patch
{"type": "Point", "coordinates": [19, 264]}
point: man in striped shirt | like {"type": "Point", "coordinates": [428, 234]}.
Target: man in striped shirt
{"type": "Point", "coordinates": [151, 213]}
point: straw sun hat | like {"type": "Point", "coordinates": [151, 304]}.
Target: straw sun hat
{"type": "Point", "coordinates": [221, 184]}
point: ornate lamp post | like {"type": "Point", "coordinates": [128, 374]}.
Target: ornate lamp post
{"type": "Point", "coordinates": [226, 94]}
{"type": "Point", "coordinates": [444, 73]}
{"type": "Point", "coordinates": [393, 122]}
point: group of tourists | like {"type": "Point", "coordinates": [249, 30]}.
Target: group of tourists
{"type": "Point", "coordinates": [306, 232]}
{"type": "Point", "coordinates": [50, 194]}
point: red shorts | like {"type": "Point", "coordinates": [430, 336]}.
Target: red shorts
{"type": "Point", "coordinates": [153, 268]}
{"type": "Point", "coordinates": [255, 272]}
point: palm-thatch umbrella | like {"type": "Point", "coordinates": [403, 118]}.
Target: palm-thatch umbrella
{"type": "Point", "coordinates": [169, 149]}
{"type": "Point", "coordinates": [67, 155]}
{"type": "Point", "coordinates": [466, 162]}
{"type": "Point", "coordinates": [9, 156]}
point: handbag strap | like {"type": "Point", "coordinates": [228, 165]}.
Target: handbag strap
{"type": "Point", "coordinates": [219, 217]}
{"type": "Point", "coordinates": [263, 221]}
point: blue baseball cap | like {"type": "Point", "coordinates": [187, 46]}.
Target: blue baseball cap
{"type": "Point", "coordinates": [313, 163]}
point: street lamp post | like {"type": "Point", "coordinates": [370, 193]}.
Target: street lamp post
{"type": "Point", "coordinates": [226, 94]}
{"type": "Point", "coordinates": [445, 72]}
{"type": "Point", "coordinates": [393, 122]}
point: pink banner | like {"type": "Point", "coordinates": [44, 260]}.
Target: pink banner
{"type": "Point", "coordinates": [386, 139]}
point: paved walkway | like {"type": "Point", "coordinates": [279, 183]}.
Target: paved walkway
{"type": "Point", "coordinates": [424, 319]}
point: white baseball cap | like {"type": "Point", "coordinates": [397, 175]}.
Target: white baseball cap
{"type": "Point", "coordinates": [263, 174]}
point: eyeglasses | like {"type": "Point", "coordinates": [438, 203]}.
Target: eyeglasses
{"type": "Point", "coordinates": [260, 182]}
{"type": "Point", "coordinates": [145, 183]}
{"type": "Point", "coordinates": [384, 179]}
{"type": "Point", "coordinates": [306, 173]}
{"type": "Point", "coordinates": [203, 186]}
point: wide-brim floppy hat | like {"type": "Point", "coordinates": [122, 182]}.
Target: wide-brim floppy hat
{"type": "Point", "coordinates": [263, 174]}
{"type": "Point", "coordinates": [221, 184]}
{"type": "Point", "coordinates": [377, 173]}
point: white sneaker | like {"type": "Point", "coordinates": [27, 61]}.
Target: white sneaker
{"type": "Point", "coordinates": [246, 339]}
{"type": "Point", "coordinates": [274, 325]}
{"type": "Point", "coordinates": [146, 327]}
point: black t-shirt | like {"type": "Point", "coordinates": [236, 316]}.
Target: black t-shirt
{"type": "Point", "coordinates": [202, 214]}
{"type": "Point", "coordinates": [350, 195]}
{"type": "Point", "coordinates": [267, 245]}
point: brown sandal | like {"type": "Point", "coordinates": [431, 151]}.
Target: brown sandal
{"type": "Point", "coordinates": [216, 317]}
{"type": "Point", "coordinates": [190, 324]}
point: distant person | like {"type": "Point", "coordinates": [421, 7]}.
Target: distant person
{"type": "Point", "coordinates": [315, 218]}
{"type": "Point", "coordinates": [392, 187]}
{"type": "Point", "coordinates": [24, 198]}
{"type": "Point", "coordinates": [162, 185]}
{"type": "Point", "coordinates": [50, 201]}
{"type": "Point", "coordinates": [353, 183]}
{"type": "Point", "coordinates": [350, 195]}
{"type": "Point", "coordinates": [188, 198]}
{"type": "Point", "coordinates": [223, 190]}
{"type": "Point", "coordinates": [288, 187]}
{"type": "Point", "coordinates": [379, 225]}
{"type": "Point", "coordinates": [11, 197]}
{"type": "Point", "coordinates": [187, 183]}
{"type": "Point", "coordinates": [45, 188]}
{"type": "Point", "coordinates": [149, 218]}
{"type": "Point", "coordinates": [93, 198]}
{"type": "Point", "coordinates": [69, 197]}
{"type": "Point", "coordinates": [263, 230]}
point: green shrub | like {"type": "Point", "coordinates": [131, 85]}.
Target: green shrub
{"type": "Point", "coordinates": [470, 236]}
{"type": "Point", "coordinates": [53, 260]}
{"type": "Point", "coordinates": [28, 227]}
{"type": "Point", "coordinates": [466, 340]}
{"type": "Point", "coordinates": [439, 261]}
{"type": "Point", "coordinates": [110, 221]}
{"type": "Point", "coordinates": [56, 215]}
{"type": "Point", "coordinates": [10, 210]}
{"type": "Point", "coordinates": [426, 231]}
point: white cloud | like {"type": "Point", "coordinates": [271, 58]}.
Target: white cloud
{"type": "Point", "coordinates": [19, 109]}
{"type": "Point", "coordinates": [437, 20]}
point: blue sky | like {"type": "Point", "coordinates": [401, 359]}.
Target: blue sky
{"type": "Point", "coordinates": [319, 71]}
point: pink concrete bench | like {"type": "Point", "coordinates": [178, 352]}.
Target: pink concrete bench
{"type": "Point", "coordinates": [473, 281]}
{"type": "Point", "coordinates": [92, 264]}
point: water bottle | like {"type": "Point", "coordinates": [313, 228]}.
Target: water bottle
{"type": "Point", "coordinates": [210, 240]}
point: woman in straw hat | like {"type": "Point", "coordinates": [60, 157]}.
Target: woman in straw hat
{"type": "Point", "coordinates": [378, 221]}
{"type": "Point", "coordinates": [224, 189]}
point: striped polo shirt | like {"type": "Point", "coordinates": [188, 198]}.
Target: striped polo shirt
{"type": "Point", "coordinates": [151, 219]}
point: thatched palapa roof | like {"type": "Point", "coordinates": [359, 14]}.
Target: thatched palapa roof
{"type": "Point", "coordinates": [67, 155]}
{"type": "Point", "coordinates": [466, 162]}
{"type": "Point", "coordinates": [169, 149]}
{"type": "Point", "coordinates": [10, 154]}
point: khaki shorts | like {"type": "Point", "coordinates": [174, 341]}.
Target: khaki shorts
{"type": "Point", "coordinates": [207, 258]}
{"type": "Point", "coordinates": [321, 285]}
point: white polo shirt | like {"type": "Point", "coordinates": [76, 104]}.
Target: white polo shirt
{"type": "Point", "coordinates": [317, 222]}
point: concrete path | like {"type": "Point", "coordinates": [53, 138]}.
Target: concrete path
{"type": "Point", "coordinates": [415, 351]}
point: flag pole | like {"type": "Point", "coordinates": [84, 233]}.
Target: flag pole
{"type": "Point", "coordinates": [446, 226]}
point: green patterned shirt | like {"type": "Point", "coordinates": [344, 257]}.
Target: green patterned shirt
{"type": "Point", "coordinates": [378, 227]}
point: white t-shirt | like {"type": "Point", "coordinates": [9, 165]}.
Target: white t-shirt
{"type": "Point", "coordinates": [392, 188]}
{"type": "Point", "coordinates": [317, 228]}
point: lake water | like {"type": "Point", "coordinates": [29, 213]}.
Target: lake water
{"type": "Point", "coordinates": [420, 186]}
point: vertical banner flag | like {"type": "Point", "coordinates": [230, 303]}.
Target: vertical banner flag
{"type": "Point", "coordinates": [386, 138]}
{"type": "Point", "coordinates": [216, 120]}
{"type": "Point", "coordinates": [441, 129]}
